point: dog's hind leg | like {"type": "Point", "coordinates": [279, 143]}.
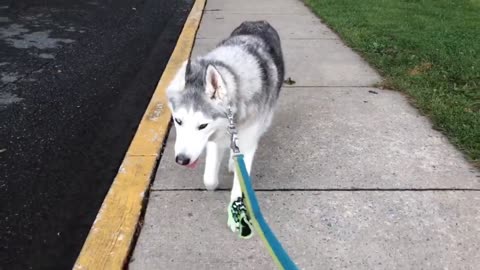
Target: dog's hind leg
{"type": "Point", "coordinates": [212, 165]}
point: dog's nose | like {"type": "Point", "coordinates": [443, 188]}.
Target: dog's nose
{"type": "Point", "coordinates": [182, 159]}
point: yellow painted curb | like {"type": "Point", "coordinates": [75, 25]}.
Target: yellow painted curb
{"type": "Point", "coordinates": [109, 241]}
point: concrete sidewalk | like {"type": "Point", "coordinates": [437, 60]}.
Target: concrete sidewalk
{"type": "Point", "coordinates": [349, 176]}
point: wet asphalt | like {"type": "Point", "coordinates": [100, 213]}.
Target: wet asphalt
{"type": "Point", "coordinates": [75, 79]}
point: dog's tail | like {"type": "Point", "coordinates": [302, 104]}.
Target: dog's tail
{"type": "Point", "coordinates": [269, 35]}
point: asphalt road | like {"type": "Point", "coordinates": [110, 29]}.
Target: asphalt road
{"type": "Point", "coordinates": [75, 79]}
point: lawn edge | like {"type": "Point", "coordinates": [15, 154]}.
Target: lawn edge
{"type": "Point", "coordinates": [386, 83]}
{"type": "Point", "coordinates": [111, 237]}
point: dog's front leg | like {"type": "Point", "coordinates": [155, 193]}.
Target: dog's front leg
{"type": "Point", "coordinates": [248, 155]}
{"type": "Point", "coordinates": [236, 189]}
{"type": "Point", "coordinates": [231, 166]}
{"type": "Point", "coordinates": [212, 165]}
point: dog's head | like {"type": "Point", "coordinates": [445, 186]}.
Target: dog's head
{"type": "Point", "coordinates": [198, 98]}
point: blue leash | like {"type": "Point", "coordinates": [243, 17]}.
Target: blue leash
{"type": "Point", "coordinates": [252, 215]}
{"type": "Point", "coordinates": [278, 253]}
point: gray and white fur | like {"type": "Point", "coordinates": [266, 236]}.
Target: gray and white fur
{"type": "Point", "coordinates": [244, 71]}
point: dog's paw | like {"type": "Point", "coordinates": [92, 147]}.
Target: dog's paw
{"type": "Point", "coordinates": [232, 224]}
{"type": "Point", "coordinates": [211, 183]}
{"type": "Point", "coordinates": [238, 219]}
{"type": "Point", "coordinates": [233, 221]}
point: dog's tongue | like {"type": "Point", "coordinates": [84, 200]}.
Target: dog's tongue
{"type": "Point", "coordinates": [192, 165]}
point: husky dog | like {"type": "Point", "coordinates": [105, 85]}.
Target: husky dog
{"type": "Point", "coordinates": [244, 72]}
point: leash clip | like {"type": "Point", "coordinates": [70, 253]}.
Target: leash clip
{"type": "Point", "coordinates": [232, 130]}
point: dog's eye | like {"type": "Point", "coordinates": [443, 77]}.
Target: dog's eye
{"type": "Point", "coordinates": [179, 122]}
{"type": "Point", "coordinates": [202, 126]}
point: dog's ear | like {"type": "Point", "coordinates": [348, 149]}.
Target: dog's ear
{"type": "Point", "coordinates": [215, 86]}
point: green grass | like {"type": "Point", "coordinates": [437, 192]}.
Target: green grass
{"type": "Point", "coordinates": [429, 49]}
